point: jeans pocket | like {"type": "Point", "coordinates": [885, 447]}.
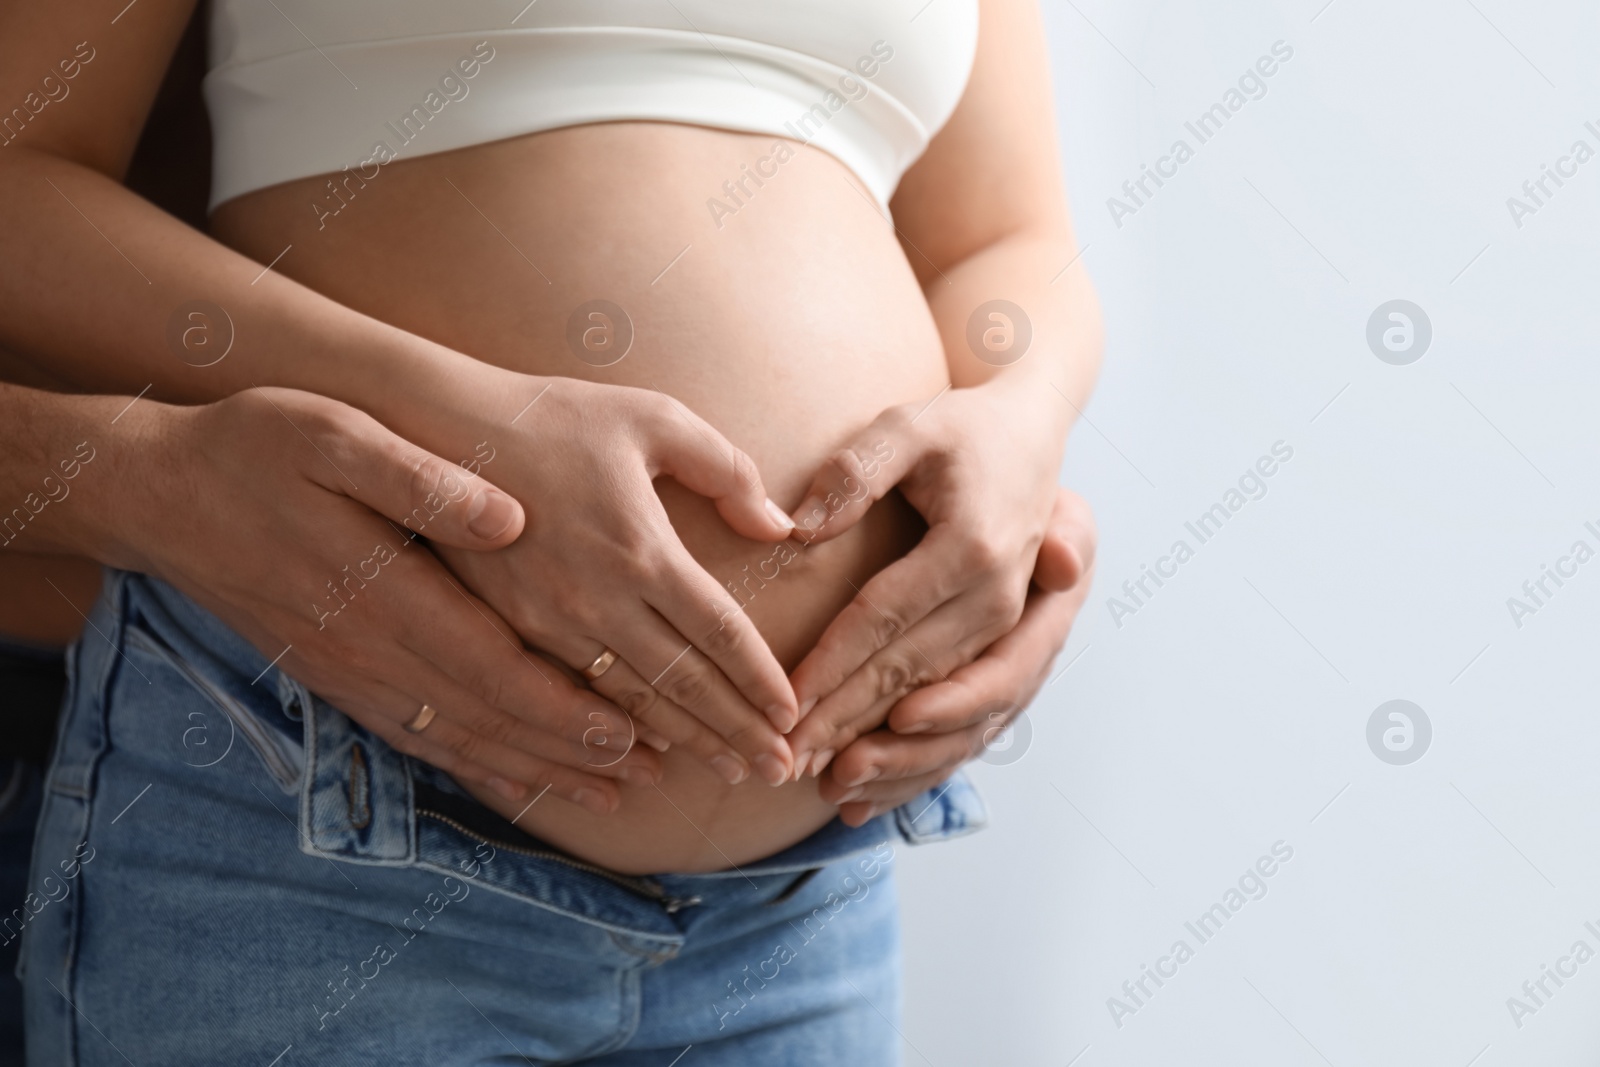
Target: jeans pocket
{"type": "Point", "coordinates": [203, 743]}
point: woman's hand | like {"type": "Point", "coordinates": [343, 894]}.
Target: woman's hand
{"type": "Point", "coordinates": [940, 727]}
{"type": "Point", "coordinates": [599, 566]}
{"type": "Point", "coordinates": [261, 507]}
{"type": "Point", "coordinates": [986, 488]}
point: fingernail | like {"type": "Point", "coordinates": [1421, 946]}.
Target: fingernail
{"type": "Point", "coordinates": [654, 740]}
{"type": "Point", "coordinates": [853, 794]}
{"type": "Point", "coordinates": [729, 768]}
{"type": "Point", "coordinates": [491, 514]}
{"type": "Point", "coordinates": [915, 728]}
{"type": "Point", "coordinates": [821, 761]}
{"type": "Point", "coordinates": [778, 515]}
{"type": "Point", "coordinates": [810, 516]}
{"type": "Point", "coordinates": [782, 716]}
{"type": "Point", "coordinates": [594, 800]}
{"type": "Point", "coordinates": [861, 779]}
{"type": "Point", "coordinates": [510, 790]}
{"type": "Point", "coordinates": [772, 769]}
{"type": "Point", "coordinates": [638, 776]}
{"type": "Point", "coordinates": [1077, 562]}
{"type": "Point", "coordinates": [807, 706]}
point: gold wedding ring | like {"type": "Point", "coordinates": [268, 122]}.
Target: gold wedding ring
{"type": "Point", "coordinates": [601, 664]}
{"type": "Point", "coordinates": [421, 720]}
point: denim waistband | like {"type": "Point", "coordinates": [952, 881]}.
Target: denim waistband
{"type": "Point", "coordinates": [362, 802]}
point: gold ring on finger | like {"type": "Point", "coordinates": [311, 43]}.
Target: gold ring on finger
{"type": "Point", "coordinates": [420, 721]}
{"type": "Point", "coordinates": [601, 664]}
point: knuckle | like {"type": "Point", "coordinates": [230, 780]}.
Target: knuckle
{"type": "Point", "coordinates": [690, 685]}
{"type": "Point", "coordinates": [898, 419]}
{"type": "Point", "coordinates": [723, 641]}
{"type": "Point", "coordinates": [356, 659]}
{"type": "Point", "coordinates": [845, 464]}
{"type": "Point", "coordinates": [573, 605]}
{"type": "Point", "coordinates": [470, 747]}
{"type": "Point", "coordinates": [1011, 618]}
{"type": "Point", "coordinates": [321, 419]}
{"type": "Point", "coordinates": [496, 729]}
{"type": "Point", "coordinates": [982, 553]}
{"type": "Point", "coordinates": [893, 678]}
{"type": "Point", "coordinates": [885, 622]}
{"type": "Point", "coordinates": [898, 671]}
{"type": "Point", "coordinates": [430, 481]}
{"type": "Point", "coordinates": [744, 468]}
{"type": "Point", "coordinates": [325, 431]}
{"type": "Point", "coordinates": [637, 552]}
{"type": "Point", "coordinates": [420, 473]}
{"type": "Point", "coordinates": [750, 737]}
{"type": "Point", "coordinates": [636, 700]}
{"type": "Point", "coordinates": [1002, 611]}
{"type": "Point", "coordinates": [488, 684]}
{"type": "Point", "coordinates": [844, 734]}
{"type": "Point", "coordinates": [652, 414]}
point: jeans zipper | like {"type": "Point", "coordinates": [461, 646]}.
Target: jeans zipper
{"type": "Point", "coordinates": [642, 886]}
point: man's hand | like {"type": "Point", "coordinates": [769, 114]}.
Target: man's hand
{"type": "Point", "coordinates": [269, 509]}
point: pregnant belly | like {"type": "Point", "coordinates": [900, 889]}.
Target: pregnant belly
{"type": "Point", "coordinates": [787, 317]}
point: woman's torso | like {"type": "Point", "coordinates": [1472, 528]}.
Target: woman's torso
{"type": "Point", "coordinates": [788, 322]}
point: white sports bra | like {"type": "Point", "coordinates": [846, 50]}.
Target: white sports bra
{"type": "Point", "coordinates": [298, 88]}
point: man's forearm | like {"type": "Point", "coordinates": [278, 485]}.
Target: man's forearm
{"type": "Point", "coordinates": [94, 279]}
{"type": "Point", "coordinates": [69, 475]}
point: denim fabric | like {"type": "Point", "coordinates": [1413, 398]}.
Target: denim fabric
{"type": "Point", "coordinates": [239, 873]}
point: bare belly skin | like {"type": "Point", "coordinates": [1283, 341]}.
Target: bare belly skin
{"type": "Point", "coordinates": [788, 327]}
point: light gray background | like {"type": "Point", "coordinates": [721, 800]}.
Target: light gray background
{"type": "Point", "coordinates": [1232, 709]}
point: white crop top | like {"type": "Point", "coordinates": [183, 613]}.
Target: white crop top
{"type": "Point", "coordinates": [298, 88]}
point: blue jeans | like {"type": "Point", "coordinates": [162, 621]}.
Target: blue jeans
{"type": "Point", "coordinates": [233, 871]}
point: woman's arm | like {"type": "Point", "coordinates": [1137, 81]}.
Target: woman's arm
{"type": "Point", "coordinates": [100, 286]}
{"type": "Point", "coordinates": [983, 219]}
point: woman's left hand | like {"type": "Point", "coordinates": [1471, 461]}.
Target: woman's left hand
{"type": "Point", "coordinates": [943, 726]}
{"type": "Point", "coordinates": [984, 479]}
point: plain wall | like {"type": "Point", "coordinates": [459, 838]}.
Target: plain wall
{"type": "Point", "coordinates": [1230, 711]}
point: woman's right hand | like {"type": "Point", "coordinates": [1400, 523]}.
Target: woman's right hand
{"type": "Point", "coordinates": [599, 565]}
{"type": "Point", "coordinates": [268, 508]}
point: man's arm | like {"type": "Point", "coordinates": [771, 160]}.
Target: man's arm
{"type": "Point", "coordinates": [167, 490]}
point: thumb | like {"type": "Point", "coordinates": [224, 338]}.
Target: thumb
{"type": "Point", "coordinates": [424, 494]}
{"type": "Point", "coordinates": [857, 476]}
{"type": "Point", "coordinates": [1068, 548]}
{"type": "Point", "coordinates": [1056, 569]}
{"type": "Point", "coordinates": [691, 451]}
